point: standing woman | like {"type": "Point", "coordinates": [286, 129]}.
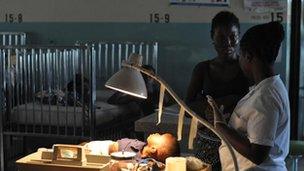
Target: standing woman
{"type": "Point", "coordinates": [220, 77]}
{"type": "Point", "coordinates": [260, 123]}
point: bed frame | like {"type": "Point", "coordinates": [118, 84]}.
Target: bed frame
{"type": "Point", "coordinates": [28, 69]}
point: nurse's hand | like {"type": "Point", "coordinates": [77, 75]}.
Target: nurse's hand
{"type": "Point", "coordinates": [208, 113]}
{"type": "Point", "coordinates": [218, 112]}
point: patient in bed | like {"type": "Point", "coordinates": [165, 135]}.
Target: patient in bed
{"type": "Point", "coordinates": [158, 147]}
{"type": "Point", "coordinates": [69, 95]}
{"type": "Point", "coordinates": [81, 83]}
{"type": "Point", "coordinates": [153, 152]}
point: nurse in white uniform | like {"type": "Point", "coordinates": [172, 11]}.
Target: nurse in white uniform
{"type": "Point", "coordinates": [259, 126]}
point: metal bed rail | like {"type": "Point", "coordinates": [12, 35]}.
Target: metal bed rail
{"type": "Point", "coordinates": [109, 56]}
{"type": "Point", "coordinates": [33, 71]}
{"type": "Point", "coordinates": [12, 38]}
{"type": "Point", "coordinates": [34, 78]}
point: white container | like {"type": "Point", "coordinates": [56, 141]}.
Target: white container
{"type": "Point", "coordinates": [175, 164]}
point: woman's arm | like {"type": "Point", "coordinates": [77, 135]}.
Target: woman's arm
{"type": "Point", "coordinates": [228, 102]}
{"type": "Point", "coordinates": [254, 152]}
{"type": "Point", "coordinates": [196, 83]}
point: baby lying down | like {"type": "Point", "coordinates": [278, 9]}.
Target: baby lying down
{"type": "Point", "coordinates": [157, 148]}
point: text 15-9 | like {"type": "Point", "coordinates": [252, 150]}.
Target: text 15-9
{"type": "Point", "coordinates": [159, 18]}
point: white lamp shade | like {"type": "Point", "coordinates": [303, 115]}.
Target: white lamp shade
{"type": "Point", "coordinates": [129, 81]}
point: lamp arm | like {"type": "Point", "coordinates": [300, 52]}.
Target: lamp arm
{"type": "Point", "coordinates": [187, 109]}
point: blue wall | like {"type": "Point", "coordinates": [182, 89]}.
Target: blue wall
{"type": "Point", "coordinates": [181, 46]}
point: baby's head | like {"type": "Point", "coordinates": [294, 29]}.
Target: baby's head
{"type": "Point", "coordinates": [161, 146]}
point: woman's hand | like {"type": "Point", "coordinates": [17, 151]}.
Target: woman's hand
{"type": "Point", "coordinates": [218, 112]}
{"type": "Point", "coordinates": [209, 114]}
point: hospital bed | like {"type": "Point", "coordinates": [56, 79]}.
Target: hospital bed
{"type": "Point", "coordinates": [27, 70]}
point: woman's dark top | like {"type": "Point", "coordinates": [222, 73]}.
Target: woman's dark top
{"type": "Point", "coordinates": [202, 83]}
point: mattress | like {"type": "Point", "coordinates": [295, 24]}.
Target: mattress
{"type": "Point", "coordinates": [42, 114]}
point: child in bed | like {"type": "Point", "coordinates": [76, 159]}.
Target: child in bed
{"type": "Point", "coordinates": [153, 152]}
{"type": "Point", "coordinates": [158, 147]}
{"type": "Point", "coordinates": [70, 95]}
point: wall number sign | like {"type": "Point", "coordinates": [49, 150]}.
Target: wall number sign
{"type": "Point", "coordinates": [159, 18]}
{"type": "Point", "coordinates": [13, 18]}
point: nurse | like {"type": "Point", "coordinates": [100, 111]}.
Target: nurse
{"type": "Point", "coordinates": [260, 123]}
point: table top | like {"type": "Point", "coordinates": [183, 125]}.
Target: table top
{"type": "Point", "coordinates": [33, 162]}
{"type": "Point", "coordinates": [168, 123]}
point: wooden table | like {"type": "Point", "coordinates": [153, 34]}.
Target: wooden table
{"type": "Point", "coordinates": [33, 162]}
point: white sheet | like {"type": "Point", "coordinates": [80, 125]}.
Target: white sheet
{"type": "Point", "coordinates": [41, 114]}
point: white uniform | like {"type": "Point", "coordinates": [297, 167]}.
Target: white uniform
{"type": "Point", "coordinates": [263, 116]}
